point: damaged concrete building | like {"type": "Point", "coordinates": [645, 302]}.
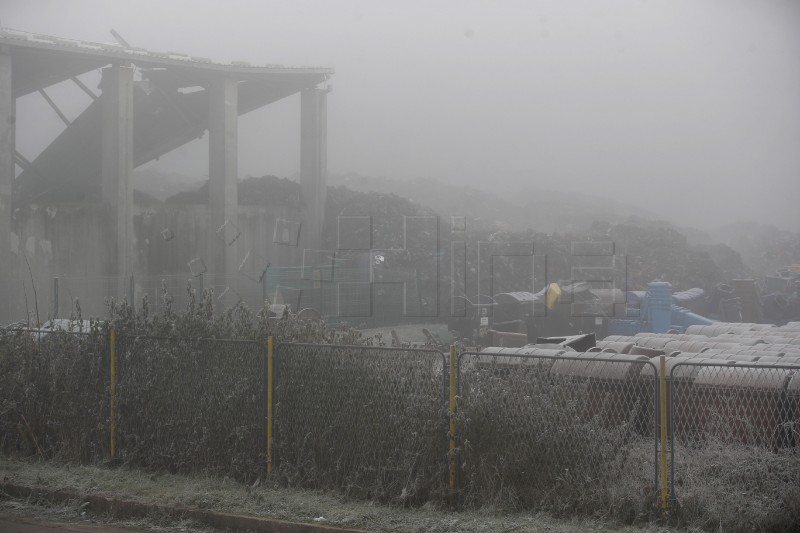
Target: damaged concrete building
{"type": "Point", "coordinates": [72, 212]}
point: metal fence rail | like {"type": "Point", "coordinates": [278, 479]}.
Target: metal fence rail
{"type": "Point", "coordinates": [191, 405]}
{"type": "Point", "coordinates": [736, 425]}
{"type": "Point", "coordinates": [366, 419]}
{"type": "Point", "coordinates": [555, 432]}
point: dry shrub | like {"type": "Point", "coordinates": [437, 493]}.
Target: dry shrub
{"type": "Point", "coordinates": [367, 421]}
{"type": "Point", "coordinates": [185, 402]}
{"type": "Point", "coordinates": [52, 394]}
{"type": "Point", "coordinates": [191, 405]}
{"type": "Point", "coordinates": [533, 441]}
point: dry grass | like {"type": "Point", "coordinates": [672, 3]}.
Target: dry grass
{"type": "Point", "coordinates": [369, 422]}
{"type": "Point", "coordinates": [267, 500]}
{"type": "Point", "coordinates": [729, 487]}
{"type": "Point", "coordinates": [529, 441]}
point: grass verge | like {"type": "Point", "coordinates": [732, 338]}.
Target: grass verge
{"type": "Point", "coordinates": [229, 496]}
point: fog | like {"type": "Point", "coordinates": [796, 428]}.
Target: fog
{"type": "Point", "coordinates": [690, 108]}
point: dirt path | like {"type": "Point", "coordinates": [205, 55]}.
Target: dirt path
{"type": "Point", "coordinates": [10, 523]}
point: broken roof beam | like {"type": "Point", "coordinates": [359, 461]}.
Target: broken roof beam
{"type": "Point", "coordinates": [83, 86]}
{"type": "Point", "coordinates": [50, 101]}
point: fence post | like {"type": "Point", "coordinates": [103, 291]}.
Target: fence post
{"type": "Point", "coordinates": [132, 293]}
{"type": "Point", "coordinates": [662, 401]}
{"type": "Point", "coordinates": [452, 432]}
{"type": "Point", "coordinates": [264, 287]}
{"type": "Point", "coordinates": [112, 391]}
{"type": "Point", "coordinates": [269, 404]}
{"type": "Point", "coordinates": [55, 297]}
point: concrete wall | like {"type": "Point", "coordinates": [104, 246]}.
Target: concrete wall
{"type": "Point", "coordinates": [71, 242]}
{"type": "Point", "coordinates": [48, 241]}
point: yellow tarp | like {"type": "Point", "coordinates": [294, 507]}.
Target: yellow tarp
{"type": "Point", "coordinates": [553, 293]}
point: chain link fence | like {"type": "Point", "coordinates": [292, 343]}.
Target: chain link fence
{"type": "Point", "coordinates": [371, 421]}
{"type": "Point", "coordinates": [533, 428]}
{"type": "Point", "coordinates": [53, 394]}
{"type": "Point", "coordinates": [191, 405]}
{"type": "Point", "coordinates": [557, 431]}
{"type": "Point", "coordinates": [734, 436]}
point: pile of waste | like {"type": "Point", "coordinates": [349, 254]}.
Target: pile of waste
{"type": "Point", "coordinates": [780, 300]}
{"type": "Point", "coordinates": [776, 300]}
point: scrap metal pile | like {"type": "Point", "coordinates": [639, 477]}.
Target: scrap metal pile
{"type": "Point", "coordinates": [775, 301]}
{"type": "Point", "coordinates": [780, 300]}
{"type": "Point", "coordinates": [739, 382]}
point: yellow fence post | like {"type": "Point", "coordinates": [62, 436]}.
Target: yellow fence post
{"type": "Point", "coordinates": [452, 424]}
{"type": "Point", "coordinates": [112, 390]}
{"type": "Point", "coordinates": [269, 404]}
{"type": "Point", "coordinates": [663, 410]}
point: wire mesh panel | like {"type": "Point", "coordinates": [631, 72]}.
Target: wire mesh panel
{"type": "Point", "coordinates": [90, 294]}
{"type": "Point", "coordinates": [368, 420]}
{"type": "Point", "coordinates": [735, 433]}
{"type": "Point", "coordinates": [191, 405]}
{"type": "Point", "coordinates": [170, 290]}
{"type": "Point", "coordinates": [560, 433]}
{"type": "Point", "coordinates": [53, 400]}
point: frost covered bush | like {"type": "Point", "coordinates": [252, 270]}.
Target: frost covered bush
{"type": "Point", "coordinates": [186, 400]}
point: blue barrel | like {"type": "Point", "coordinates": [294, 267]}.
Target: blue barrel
{"type": "Point", "coordinates": [659, 301]}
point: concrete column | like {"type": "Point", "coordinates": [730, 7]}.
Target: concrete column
{"type": "Point", "coordinates": [223, 201]}
{"type": "Point", "coordinates": [7, 120]}
{"type": "Point", "coordinates": [313, 163]}
{"type": "Point", "coordinates": [117, 166]}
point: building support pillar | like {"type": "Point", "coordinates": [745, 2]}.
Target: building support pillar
{"type": "Point", "coordinates": [7, 171]}
{"type": "Point", "coordinates": [223, 201]}
{"type": "Point", "coordinates": [117, 166]}
{"type": "Point", "coordinates": [313, 163]}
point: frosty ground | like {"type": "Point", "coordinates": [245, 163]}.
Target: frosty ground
{"type": "Point", "coordinates": [263, 500]}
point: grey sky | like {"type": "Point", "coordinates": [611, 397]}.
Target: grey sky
{"type": "Point", "coordinates": [692, 106]}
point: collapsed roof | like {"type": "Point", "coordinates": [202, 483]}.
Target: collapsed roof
{"type": "Point", "coordinates": [171, 103]}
